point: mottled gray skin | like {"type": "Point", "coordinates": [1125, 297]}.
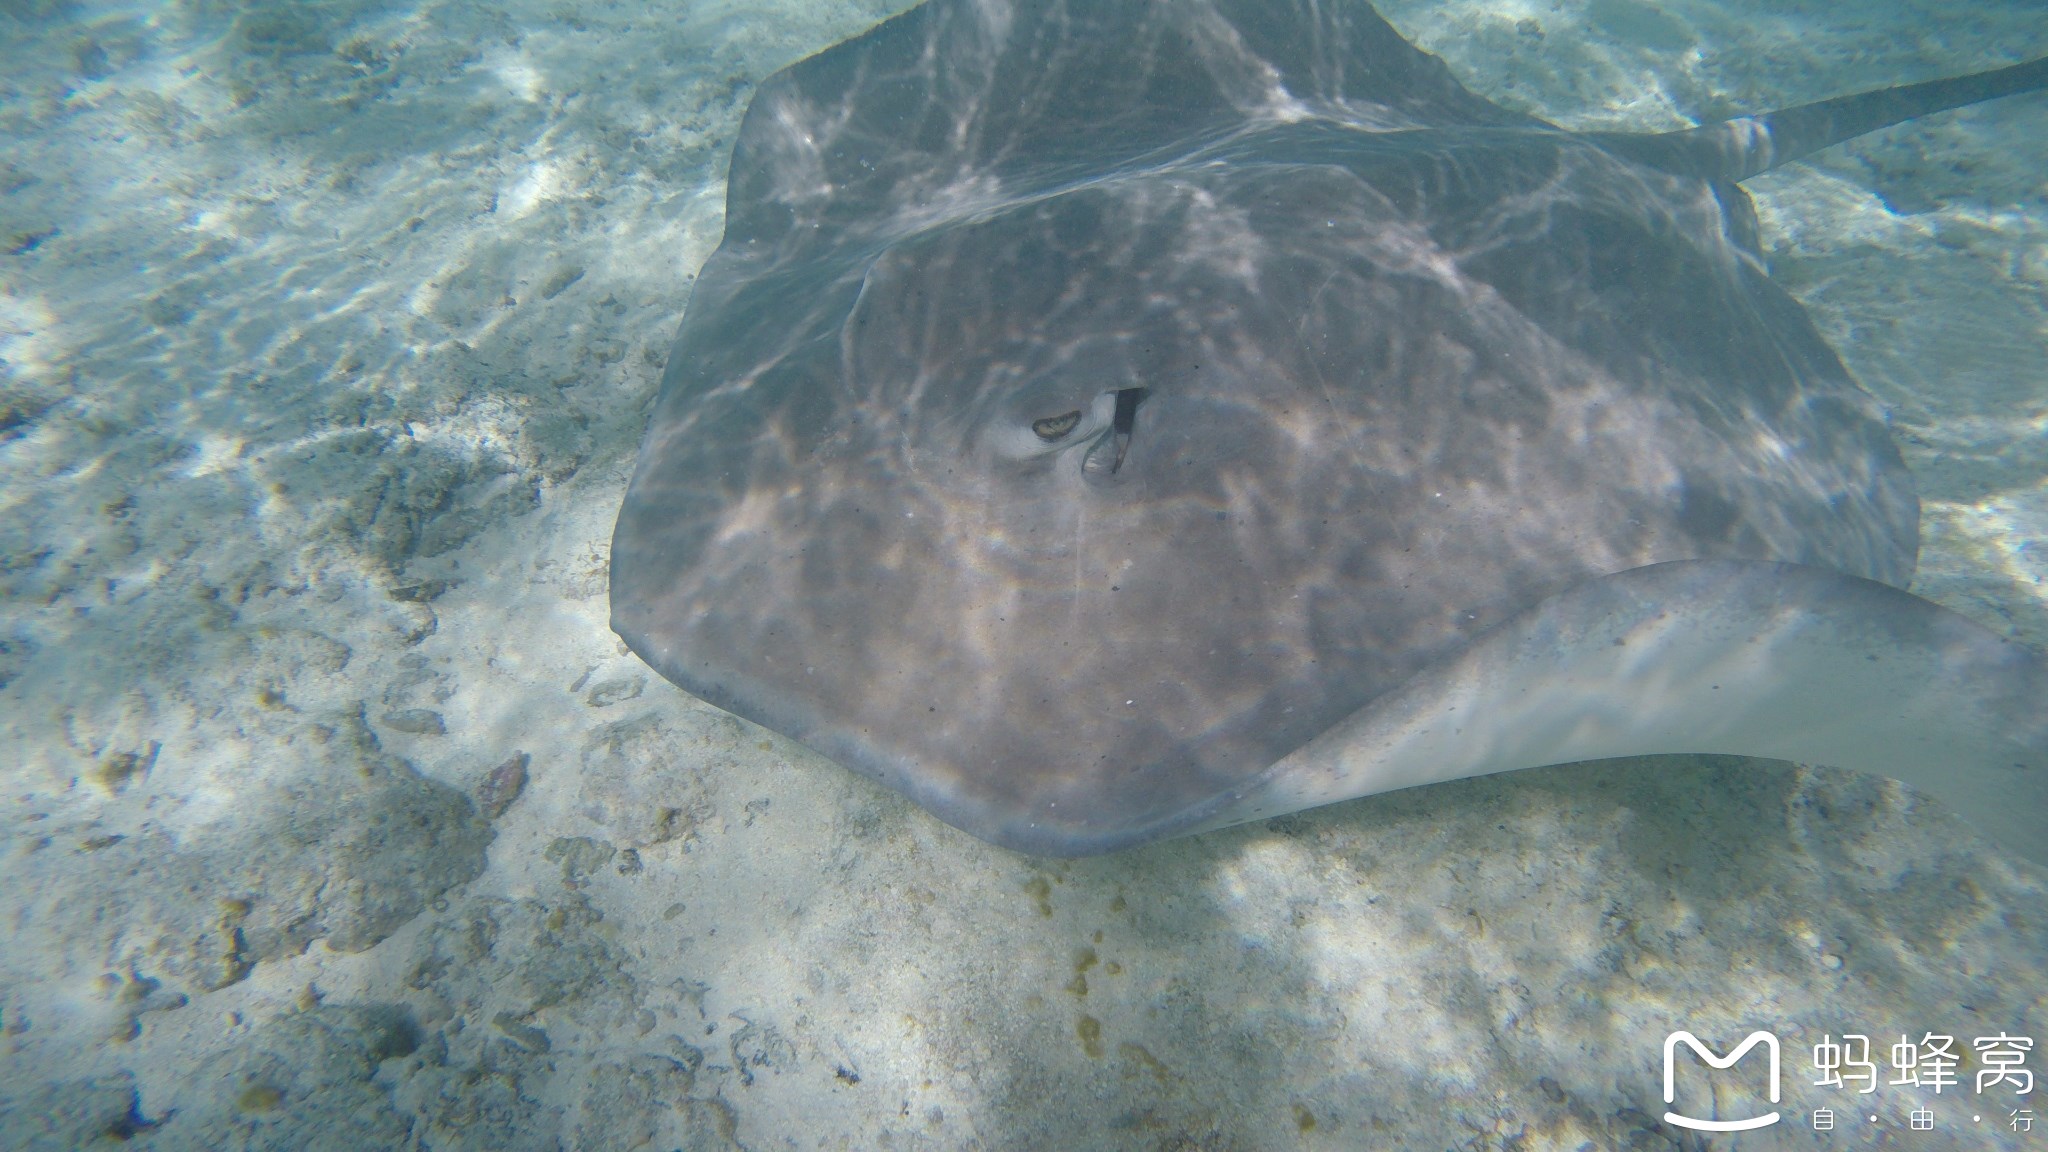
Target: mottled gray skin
{"type": "Point", "coordinates": [1414, 366]}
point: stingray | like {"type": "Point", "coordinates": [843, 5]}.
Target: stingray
{"type": "Point", "coordinates": [1108, 421]}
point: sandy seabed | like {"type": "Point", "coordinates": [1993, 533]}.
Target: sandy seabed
{"type": "Point", "coordinates": [336, 818]}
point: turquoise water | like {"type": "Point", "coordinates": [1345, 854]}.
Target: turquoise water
{"type": "Point", "coordinates": [336, 817]}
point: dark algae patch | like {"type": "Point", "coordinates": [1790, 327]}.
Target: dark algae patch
{"type": "Point", "coordinates": [1089, 1030]}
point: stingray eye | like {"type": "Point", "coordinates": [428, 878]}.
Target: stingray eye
{"type": "Point", "coordinates": [1053, 427]}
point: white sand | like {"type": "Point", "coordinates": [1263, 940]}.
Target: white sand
{"type": "Point", "coordinates": [327, 332]}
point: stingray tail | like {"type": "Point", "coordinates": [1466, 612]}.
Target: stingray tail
{"type": "Point", "coordinates": [1740, 148]}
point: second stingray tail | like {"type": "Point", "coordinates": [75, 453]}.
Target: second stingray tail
{"type": "Point", "coordinates": [1740, 148]}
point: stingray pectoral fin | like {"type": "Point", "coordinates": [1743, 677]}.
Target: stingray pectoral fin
{"type": "Point", "coordinates": [1754, 659]}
